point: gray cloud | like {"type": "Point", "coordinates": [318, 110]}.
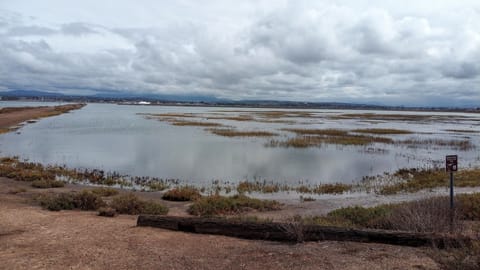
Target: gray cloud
{"type": "Point", "coordinates": [299, 51]}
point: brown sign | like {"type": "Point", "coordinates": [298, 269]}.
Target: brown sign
{"type": "Point", "coordinates": [451, 163]}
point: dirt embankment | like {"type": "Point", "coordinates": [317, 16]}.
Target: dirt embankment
{"type": "Point", "coordinates": [10, 118]}
{"type": "Point", "coordinates": [32, 238]}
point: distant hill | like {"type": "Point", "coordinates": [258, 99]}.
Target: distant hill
{"type": "Point", "coordinates": [29, 93]}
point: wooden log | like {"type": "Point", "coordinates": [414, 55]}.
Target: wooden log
{"type": "Point", "coordinates": [294, 232]}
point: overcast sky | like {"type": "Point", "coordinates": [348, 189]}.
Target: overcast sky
{"type": "Point", "coordinates": [422, 52]}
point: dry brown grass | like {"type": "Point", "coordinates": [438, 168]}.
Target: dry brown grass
{"type": "Point", "coordinates": [462, 145]}
{"type": "Point", "coordinates": [313, 141]}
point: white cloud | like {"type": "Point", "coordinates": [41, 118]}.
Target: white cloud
{"type": "Point", "coordinates": [293, 50]}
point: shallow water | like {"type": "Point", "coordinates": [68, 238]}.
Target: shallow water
{"type": "Point", "coordinates": [116, 137]}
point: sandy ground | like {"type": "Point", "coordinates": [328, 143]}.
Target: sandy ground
{"type": "Point", "coordinates": [32, 238]}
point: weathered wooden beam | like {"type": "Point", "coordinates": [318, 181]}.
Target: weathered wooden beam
{"type": "Point", "coordinates": [292, 232]}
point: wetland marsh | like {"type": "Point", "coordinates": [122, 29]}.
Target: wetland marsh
{"type": "Point", "coordinates": [201, 145]}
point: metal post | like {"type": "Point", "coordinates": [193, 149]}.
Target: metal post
{"type": "Point", "coordinates": [451, 191]}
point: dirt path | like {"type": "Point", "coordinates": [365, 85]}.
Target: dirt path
{"type": "Point", "coordinates": [32, 238]}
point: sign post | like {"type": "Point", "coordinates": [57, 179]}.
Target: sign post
{"type": "Point", "coordinates": [451, 165]}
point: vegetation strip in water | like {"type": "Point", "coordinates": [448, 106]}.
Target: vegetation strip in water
{"type": "Point", "coordinates": [237, 133]}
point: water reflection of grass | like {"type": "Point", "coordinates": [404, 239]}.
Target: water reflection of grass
{"type": "Point", "coordinates": [236, 133]}
{"type": "Point", "coordinates": [195, 123]}
{"type": "Point", "coordinates": [383, 131]}
{"type": "Point", "coordinates": [328, 132]}
{"type": "Point", "coordinates": [462, 130]}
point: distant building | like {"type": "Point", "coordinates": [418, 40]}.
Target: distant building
{"type": "Point", "coordinates": [144, 103]}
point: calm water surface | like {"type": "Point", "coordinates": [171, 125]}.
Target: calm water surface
{"type": "Point", "coordinates": [116, 137]}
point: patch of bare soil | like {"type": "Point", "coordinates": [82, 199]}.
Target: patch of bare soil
{"type": "Point", "coordinates": [32, 238]}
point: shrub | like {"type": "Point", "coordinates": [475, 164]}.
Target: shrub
{"type": "Point", "coordinates": [132, 205]}
{"type": "Point", "coordinates": [361, 216]}
{"type": "Point", "coordinates": [186, 193]}
{"type": "Point", "coordinates": [43, 183]}
{"type": "Point", "coordinates": [104, 192]}
{"type": "Point", "coordinates": [57, 202]}
{"type": "Point", "coordinates": [127, 204]}
{"type": "Point", "coordinates": [426, 215]}
{"type": "Point", "coordinates": [217, 205]}
{"type": "Point", "coordinates": [154, 208]}
{"type": "Point", "coordinates": [107, 212]}
{"type": "Point", "coordinates": [469, 206]}
{"type": "Point", "coordinates": [86, 200]}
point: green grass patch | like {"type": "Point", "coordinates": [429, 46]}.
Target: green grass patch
{"type": "Point", "coordinates": [185, 193]}
{"type": "Point", "coordinates": [220, 205]}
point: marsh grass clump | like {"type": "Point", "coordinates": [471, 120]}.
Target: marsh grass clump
{"type": "Point", "coordinates": [127, 204]}
{"type": "Point", "coordinates": [469, 205]}
{"type": "Point", "coordinates": [154, 208]}
{"type": "Point", "coordinates": [219, 205]}
{"type": "Point", "coordinates": [84, 200]}
{"type": "Point", "coordinates": [361, 216]}
{"type": "Point", "coordinates": [107, 212]}
{"type": "Point", "coordinates": [45, 183]}
{"type": "Point", "coordinates": [336, 188]}
{"type": "Point", "coordinates": [184, 193]}
{"type": "Point", "coordinates": [104, 191]}
{"type": "Point", "coordinates": [157, 186]}
{"type": "Point", "coordinates": [305, 141]}
{"type": "Point", "coordinates": [461, 145]}
{"type": "Point", "coordinates": [383, 131]}
{"type": "Point", "coordinates": [236, 133]}
{"type": "Point", "coordinates": [87, 200]}
{"type": "Point", "coordinates": [130, 204]}
{"type": "Point", "coordinates": [418, 179]}
{"type": "Point", "coordinates": [56, 202]}
{"type": "Point", "coordinates": [384, 117]}
{"type": "Point", "coordinates": [260, 186]}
